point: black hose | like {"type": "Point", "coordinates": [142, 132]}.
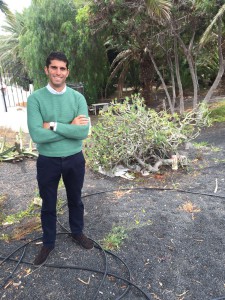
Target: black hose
{"type": "Point", "coordinates": [105, 273]}
{"type": "Point", "coordinates": [68, 267]}
{"type": "Point", "coordinates": [153, 189]}
{"type": "Point", "coordinates": [14, 270]}
{"type": "Point", "coordinates": [105, 258]}
{"type": "Point", "coordinates": [98, 246]}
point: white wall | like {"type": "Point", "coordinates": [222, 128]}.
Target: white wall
{"type": "Point", "coordinates": [15, 119]}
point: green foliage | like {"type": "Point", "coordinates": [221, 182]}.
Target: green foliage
{"type": "Point", "coordinates": [217, 114]}
{"type": "Point", "coordinates": [114, 239]}
{"type": "Point", "coordinates": [45, 24]}
{"type": "Point", "coordinates": [59, 25]}
{"type": "Point", "coordinates": [205, 6]}
{"type": "Point", "coordinates": [4, 8]}
{"type": "Point", "coordinates": [17, 217]}
{"type": "Point", "coordinates": [91, 60]}
{"type": "Point", "coordinates": [130, 134]}
{"type": "Point", "coordinates": [10, 59]}
{"type": "Point", "coordinates": [200, 145]}
{"type": "Point", "coordinates": [17, 152]}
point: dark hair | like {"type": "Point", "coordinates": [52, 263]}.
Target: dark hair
{"type": "Point", "coordinates": [58, 56]}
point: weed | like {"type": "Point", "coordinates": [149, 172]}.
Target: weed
{"type": "Point", "coordinates": [189, 207]}
{"type": "Point", "coordinates": [215, 149]}
{"type": "Point", "coordinates": [114, 239]}
{"type": "Point", "coordinates": [4, 237]}
{"type": "Point", "coordinates": [61, 184]}
{"type": "Point", "coordinates": [17, 217]}
{"type": "Point", "coordinates": [3, 198]}
{"type": "Point", "coordinates": [200, 145]}
{"type": "Point", "coordinates": [219, 160]}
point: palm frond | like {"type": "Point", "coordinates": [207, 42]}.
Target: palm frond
{"type": "Point", "coordinates": [5, 9]}
{"type": "Point", "coordinates": [205, 36]}
{"type": "Point", "coordinates": [159, 9]}
{"type": "Point", "coordinates": [121, 56]}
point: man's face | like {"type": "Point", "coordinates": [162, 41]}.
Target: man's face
{"type": "Point", "coordinates": [57, 73]}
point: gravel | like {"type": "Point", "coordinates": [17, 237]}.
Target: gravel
{"type": "Point", "coordinates": [172, 254]}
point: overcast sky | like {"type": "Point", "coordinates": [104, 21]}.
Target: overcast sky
{"type": "Point", "coordinates": [15, 5]}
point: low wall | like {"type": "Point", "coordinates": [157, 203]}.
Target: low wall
{"type": "Point", "coordinates": [15, 119]}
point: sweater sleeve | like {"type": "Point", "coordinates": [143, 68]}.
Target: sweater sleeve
{"type": "Point", "coordinates": [35, 124]}
{"type": "Point", "coordinates": [72, 131]}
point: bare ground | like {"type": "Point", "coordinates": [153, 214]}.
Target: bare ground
{"type": "Point", "coordinates": [175, 240]}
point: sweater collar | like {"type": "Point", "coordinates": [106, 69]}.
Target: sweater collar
{"type": "Point", "coordinates": [53, 91]}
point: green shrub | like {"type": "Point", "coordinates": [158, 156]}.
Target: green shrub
{"type": "Point", "coordinates": [131, 134]}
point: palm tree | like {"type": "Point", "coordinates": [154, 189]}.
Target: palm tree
{"type": "Point", "coordinates": [130, 38]}
{"type": "Point", "coordinates": [5, 9]}
{"type": "Point", "coordinates": [206, 37]}
{"type": "Point", "coordinates": [208, 31]}
{"type": "Point", "coordinates": [159, 9]}
{"type": "Point", "coordinates": [9, 48]}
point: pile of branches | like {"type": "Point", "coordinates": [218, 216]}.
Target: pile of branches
{"type": "Point", "coordinates": [139, 138]}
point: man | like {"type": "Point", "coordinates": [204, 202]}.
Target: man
{"type": "Point", "coordinates": [58, 122]}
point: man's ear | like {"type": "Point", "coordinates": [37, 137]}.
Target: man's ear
{"type": "Point", "coordinates": [68, 73]}
{"type": "Point", "coordinates": [46, 70]}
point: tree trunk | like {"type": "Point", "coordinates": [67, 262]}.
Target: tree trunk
{"type": "Point", "coordinates": [187, 52]}
{"type": "Point", "coordinates": [163, 82]}
{"type": "Point", "coordinates": [172, 80]}
{"type": "Point", "coordinates": [194, 79]}
{"type": "Point", "coordinates": [179, 83]}
{"type": "Point", "coordinates": [146, 78]}
{"type": "Point", "coordinates": [221, 64]}
{"type": "Point", "coordinates": [121, 80]}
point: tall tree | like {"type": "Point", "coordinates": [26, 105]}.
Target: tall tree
{"type": "Point", "coordinates": [9, 50]}
{"type": "Point", "coordinates": [4, 8]}
{"type": "Point", "coordinates": [207, 38]}
{"type": "Point", "coordinates": [130, 28]}
{"type": "Point", "coordinates": [58, 25]}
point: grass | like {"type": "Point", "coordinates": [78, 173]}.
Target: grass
{"type": "Point", "coordinates": [114, 239]}
{"type": "Point", "coordinates": [17, 217]}
{"type": "Point", "coordinates": [3, 198]}
{"type": "Point", "coordinates": [217, 112]}
{"type": "Point", "coordinates": [118, 234]}
{"type": "Point", "coordinates": [200, 145]}
{"type": "Point", "coordinates": [27, 220]}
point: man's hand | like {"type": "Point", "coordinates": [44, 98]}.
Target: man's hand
{"type": "Point", "coordinates": [46, 125]}
{"type": "Point", "coordinates": [80, 120]}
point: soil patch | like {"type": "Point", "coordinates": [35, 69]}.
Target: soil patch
{"type": "Point", "coordinates": [175, 240]}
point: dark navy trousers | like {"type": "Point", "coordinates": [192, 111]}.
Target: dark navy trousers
{"type": "Point", "coordinates": [49, 172]}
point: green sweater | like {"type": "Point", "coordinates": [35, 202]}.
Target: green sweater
{"type": "Point", "coordinates": [43, 106]}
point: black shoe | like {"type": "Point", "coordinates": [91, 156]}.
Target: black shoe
{"type": "Point", "coordinates": [82, 240]}
{"type": "Point", "coordinates": [42, 256]}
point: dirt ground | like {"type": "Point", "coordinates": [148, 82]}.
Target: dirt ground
{"type": "Point", "coordinates": [175, 243]}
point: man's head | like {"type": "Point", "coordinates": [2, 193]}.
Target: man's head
{"type": "Point", "coordinates": [57, 70]}
{"type": "Point", "coordinates": [57, 56]}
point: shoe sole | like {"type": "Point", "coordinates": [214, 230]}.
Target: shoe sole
{"type": "Point", "coordinates": [44, 262]}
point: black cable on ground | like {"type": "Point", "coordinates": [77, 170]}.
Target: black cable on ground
{"type": "Point", "coordinates": [105, 259]}
{"type": "Point", "coordinates": [8, 258]}
{"type": "Point", "coordinates": [87, 269]}
{"type": "Point", "coordinates": [98, 246]}
{"type": "Point", "coordinates": [154, 189]}
{"type": "Point", "coordinates": [105, 273]}
{"type": "Point", "coordinates": [14, 270]}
